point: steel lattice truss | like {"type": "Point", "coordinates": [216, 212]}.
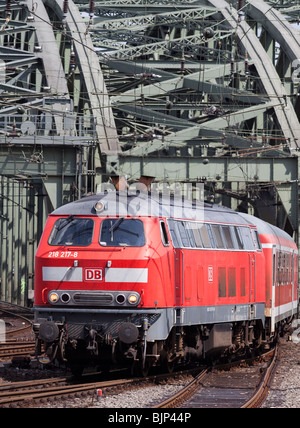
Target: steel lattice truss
{"type": "Point", "coordinates": [147, 78]}
{"type": "Point", "coordinates": [187, 75]}
{"type": "Point", "coordinates": [175, 77]}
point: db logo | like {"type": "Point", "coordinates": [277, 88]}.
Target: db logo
{"type": "Point", "coordinates": [93, 274]}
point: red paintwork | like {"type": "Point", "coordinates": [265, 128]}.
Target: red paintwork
{"type": "Point", "coordinates": [165, 287]}
{"type": "Point", "coordinates": [286, 291]}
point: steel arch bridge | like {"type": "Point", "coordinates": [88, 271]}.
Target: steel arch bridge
{"type": "Point", "coordinates": [193, 90]}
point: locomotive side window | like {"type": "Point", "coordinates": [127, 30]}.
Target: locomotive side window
{"type": "Point", "coordinates": [227, 237]}
{"type": "Point", "coordinates": [205, 236]}
{"type": "Point", "coordinates": [190, 233]}
{"type": "Point", "coordinates": [172, 229]}
{"type": "Point", "coordinates": [256, 239]}
{"type": "Point", "coordinates": [120, 232]}
{"type": "Point", "coordinates": [239, 238]}
{"type": "Point", "coordinates": [187, 234]}
{"type": "Point", "coordinates": [196, 234]}
{"type": "Point", "coordinates": [217, 236]}
{"type": "Point", "coordinates": [72, 231]}
{"type": "Point", "coordinates": [247, 239]}
{"type": "Point", "coordinates": [183, 234]}
{"type": "Point", "coordinates": [164, 235]}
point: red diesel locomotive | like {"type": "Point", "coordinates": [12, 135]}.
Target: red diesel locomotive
{"type": "Point", "coordinates": [116, 286]}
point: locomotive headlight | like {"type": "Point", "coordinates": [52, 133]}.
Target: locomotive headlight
{"type": "Point", "coordinates": [132, 299]}
{"type": "Point", "coordinates": [53, 297]}
{"type": "Point", "coordinates": [100, 206]}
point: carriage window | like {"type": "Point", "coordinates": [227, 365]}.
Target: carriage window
{"type": "Point", "coordinates": [217, 236]}
{"type": "Point", "coordinates": [120, 232]}
{"type": "Point", "coordinates": [72, 231]}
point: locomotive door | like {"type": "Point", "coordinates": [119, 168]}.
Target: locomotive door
{"type": "Point", "coordinates": [252, 276]}
{"type": "Point", "coordinates": [179, 277]}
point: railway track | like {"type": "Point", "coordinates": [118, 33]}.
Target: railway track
{"type": "Point", "coordinates": [17, 349]}
{"type": "Point", "coordinates": [44, 390]}
{"type": "Point", "coordinates": [207, 389]}
{"type": "Point", "coordinates": [14, 394]}
{"type": "Point", "coordinates": [16, 313]}
{"type": "Point", "coordinates": [244, 387]}
{"type": "Point", "coordinates": [18, 325]}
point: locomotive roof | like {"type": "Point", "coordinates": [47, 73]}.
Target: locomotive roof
{"type": "Point", "coordinates": [160, 207]}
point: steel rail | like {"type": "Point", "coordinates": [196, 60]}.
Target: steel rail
{"type": "Point", "coordinates": [259, 396]}
{"type": "Point", "coordinates": [14, 397]}
{"type": "Point", "coordinates": [255, 401]}
{"type": "Point", "coordinates": [183, 394]}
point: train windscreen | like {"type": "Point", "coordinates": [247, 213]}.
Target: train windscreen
{"type": "Point", "coordinates": [118, 232]}
{"type": "Point", "coordinates": [72, 231]}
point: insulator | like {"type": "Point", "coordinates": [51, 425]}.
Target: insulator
{"type": "Point", "coordinates": [182, 65]}
{"type": "Point", "coordinates": [72, 60]}
{"type": "Point", "coordinates": [8, 7]}
{"type": "Point", "coordinates": [92, 7]}
{"type": "Point", "coordinates": [232, 66]}
{"type": "Point", "coordinates": [246, 64]}
{"type": "Point", "coordinates": [65, 7]}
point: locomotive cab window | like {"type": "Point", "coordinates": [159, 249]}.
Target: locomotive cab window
{"type": "Point", "coordinates": [164, 234]}
{"type": "Point", "coordinates": [72, 231]}
{"type": "Point", "coordinates": [121, 232]}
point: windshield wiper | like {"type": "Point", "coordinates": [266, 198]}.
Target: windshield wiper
{"type": "Point", "coordinates": [64, 223]}
{"type": "Point", "coordinates": [116, 224]}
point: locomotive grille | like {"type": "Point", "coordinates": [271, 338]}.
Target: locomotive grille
{"type": "Point", "coordinates": [93, 299]}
